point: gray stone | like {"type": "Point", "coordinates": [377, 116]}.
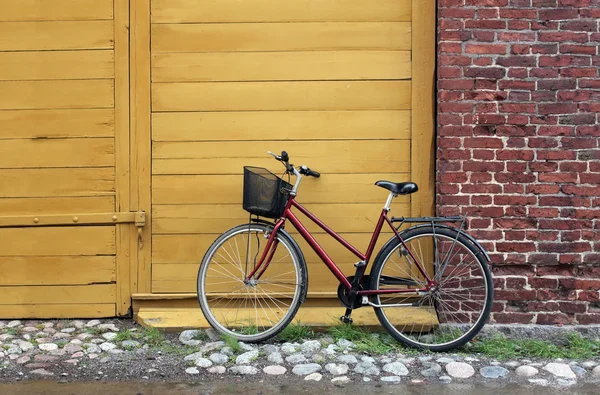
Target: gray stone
{"type": "Point", "coordinates": [227, 351]}
{"type": "Point", "coordinates": [48, 346]}
{"type": "Point", "coordinates": [110, 336]}
{"type": "Point", "coordinates": [111, 327]}
{"type": "Point", "coordinates": [107, 346]}
{"type": "Point", "coordinates": [288, 349]}
{"type": "Point", "coordinates": [218, 358]}
{"type": "Point", "coordinates": [596, 371]}
{"type": "Point", "coordinates": [72, 361]}
{"type": "Point", "coordinates": [274, 370]}
{"type": "Point", "coordinates": [589, 364]}
{"type": "Point", "coordinates": [115, 351]}
{"type": "Point", "coordinates": [493, 372]}
{"type": "Point", "coordinates": [97, 341]}
{"type": "Point", "coordinates": [13, 349]}
{"type": "Point", "coordinates": [367, 369]}
{"type": "Point", "coordinates": [58, 352]}
{"type": "Point", "coordinates": [444, 360]}
{"type": "Point", "coordinates": [391, 379]}
{"type": "Point", "coordinates": [24, 346]}
{"type": "Point", "coordinates": [560, 370]}
{"type": "Point", "coordinates": [385, 360]}
{"type": "Point", "coordinates": [269, 349]}
{"type": "Point", "coordinates": [14, 324]}
{"type": "Point", "coordinates": [92, 349]}
{"type": "Point", "coordinates": [314, 377]}
{"type": "Point", "coordinates": [295, 359]}
{"type": "Point", "coordinates": [203, 363]}
{"type": "Point", "coordinates": [193, 357]}
{"type": "Point", "coordinates": [78, 354]}
{"type": "Point", "coordinates": [61, 335]}
{"type": "Point", "coordinates": [526, 371]}
{"type": "Point", "coordinates": [217, 369]}
{"type": "Point", "coordinates": [78, 324]}
{"type": "Point", "coordinates": [275, 358]}
{"type": "Point", "coordinates": [42, 372]}
{"type": "Point", "coordinates": [368, 359]}
{"type": "Point", "coordinates": [565, 383]}
{"type": "Point", "coordinates": [460, 370]}
{"type": "Point", "coordinates": [23, 360]}
{"type": "Point", "coordinates": [512, 364]}
{"type": "Point", "coordinates": [396, 368]}
{"type": "Point", "coordinates": [433, 369]}
{"type": "Point", "coordinates": [76, 341]}
{"type": "Point", "coordinates": [212, 334]}
{"type": "Point", "coordinates": [187, 337]}
{"type": "Point", "coordinates": [29, 329]}
{"type": "Point", "coordinates": [6, 337]}
{"type": "Point", "coordinates": [578, 370]}
{"type": "Point", "coordinates": [246, 358]}
{"type": "Point", "coordinates": [306, 369]}
{"type": "Point", "coordinates": [340, 380]}
{"type": "Point", "coordinates": [208, 347]}
{"type": "Point", "coordinates": [130, 344]}
{"type": "Point", "coordinates": [242, 369]}
{"type": "Point", "coordinates": [542, 382]}
{"type": "Point", "coordinates": [72, 348]}
{"type": "Point", "coordinates": [84, 336]}
{"type": "Point", "coordinates": [93, 356]}
{"type": "Point", "coordinates": [192, 370]}
{"type": "Point", "coordinates": [318, 358]}
{"type": "Point", "coordinates": [405, 361]}
{"type": "Point", "coordinates": [336, 369]}
{"type": "Point", "coordinates": [310, 346]}
{"type": "Point", "coordinates": [345, 344]}
{"type": "Point", "coordinates": [347, 359]}
{"type": "Point", "coordinates": [246, 347]}
{"type": "Point", "coordinates": [45, 358]}
{"type": "Point", "coordinates": [446, 379]}
{"type": "Point", "coordinates": [331, 350]}
{"type": "Point", "coordinates": [68, 330]}
{"type": "Point", "coordinates": [92, 323]}
{"type": "Point", "coordinates": [471, 359]}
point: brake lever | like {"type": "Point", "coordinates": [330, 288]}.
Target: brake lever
{"type": "Point", "coordinates": [275, 156]}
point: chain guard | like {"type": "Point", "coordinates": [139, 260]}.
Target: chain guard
{"type": "Point", "coordinates": [344, 296]}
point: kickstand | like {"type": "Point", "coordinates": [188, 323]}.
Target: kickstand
{"type": "Point", "coordinates": [346, 317]}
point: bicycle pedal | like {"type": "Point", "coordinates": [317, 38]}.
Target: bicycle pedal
{"type": "Point", "coordinates": [346, 319]}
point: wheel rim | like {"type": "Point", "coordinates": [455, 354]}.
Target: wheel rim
{"type": "Point", "coordinates": [450, 314]}
{"type": "Point", "coordinates": [251, 310]}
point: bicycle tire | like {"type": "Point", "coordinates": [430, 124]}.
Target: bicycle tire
{"type": "Point", "coordinates": [427, 337]}
{"type": "Point", "coordinates": [267, 301]}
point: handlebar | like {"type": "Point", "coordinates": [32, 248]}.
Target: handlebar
{"type": "Point", "coordinates": [285, 158]}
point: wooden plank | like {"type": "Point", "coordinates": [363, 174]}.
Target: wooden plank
{"type": "Point", "coordinates": [57, 270]}
{"type": "Point", "coordinates": [125, 262]}
{"type": "Point", "coordinates": [305, 95]}
{"type": "Point", "coordinates": [335, 157]}
{"type": "Point", "coordinates": [314, 313]}
{"type": "Point", "coordinates": [186, 11]}
{"type": "Point", "coordinates": [280, 125]}
{"type": "Point", "coordinates": [17, 154]}
{"type": "Point", "coordinates": [70, 311]}
{"type": "Point", "coordinates": [423, 107]}
{"type": "Point", "coordinates": [62, 205]}
{"type": "Point", "coordinates": [44, 10]}
{"type": "Point", "coordinates": [56, 35]}
{"type": "Point", "coordinates": [87, 240]}
{"type": "Point", "coordinates": [140, 139]}
{"type": "Point", "coordinates": [56, 65]}
{"type": "Point", "coordinates": [286, 66]}
{"type": "Point", "coordinates": [310, 36]}
{"type": "Point", "coordinates": [174, 219]}
{"type": "Point", "coordinates": [73, 219]}
{"type": "Point", "coordinates": [59, 94]}
{"type": "Point", "coordinates": [44, 182]}
{"type": "Point", "coordinates": [57, 123]}
{"type": "Point", "coordinates": [72, 294]}
{"type": "Point", "coordinates": [223, 189]}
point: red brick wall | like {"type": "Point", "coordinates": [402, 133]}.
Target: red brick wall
{"type": "Point", "coordinates": [518, 148]}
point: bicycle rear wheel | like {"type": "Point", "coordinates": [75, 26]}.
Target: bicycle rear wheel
{"type": "Point", "coordinates": [447, 317]}
{"type": "Point", "coordinates": [253, 310]}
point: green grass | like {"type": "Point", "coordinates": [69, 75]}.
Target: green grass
{"type": "Point", "coordinates": [296, 332]}
{"type": "Point", "coordinates": [500, 347]}
{"type": "Point", "coordinates": [201, 335]}
{"type": "Point", "coordinates": [153, 336]}
{"type": "Point", "coordinates": [232, 342]}
{"type": "Point", "coordinates": [179, 351]}
{"type": "Point", "coordinates": [366, 341]}
{"type": "Point", "coordinates": [124, 335]}
{"type": "Point", "coordinates": [94, 331]}
{"type": "Point", "coordinates": [11, 331]}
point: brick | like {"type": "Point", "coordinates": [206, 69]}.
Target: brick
{"type": "Point", "coordinates": [581, 25]}
{"type": "Point", "coordinates": [564, 83]}
{"type": "Point", "coordinates": [578, 49]}
{"type": "Point", "coordinates": [486, 48]}
{"type": "Point", "coordinates": [562, 36]}
{"type": "Point", "coordinates": [558, 14]}
{"type": "Point", "coordinates": [485, 72]}
{"type": "Point", "coordinates": [513, 318]}
{"type": "Point", "coordinates": [559, 108]}
{"type": "Point", "coordinates": [554, 319]}
{"type": "Point", "coordinates": [485, 24]}
{"type": "Point", "coordinates": [484, 35]}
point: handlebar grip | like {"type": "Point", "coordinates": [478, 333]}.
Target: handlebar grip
{"type": "Point", "coordinates": [284, 156]}
{"type": "Point", "coordinates": [314, 173]}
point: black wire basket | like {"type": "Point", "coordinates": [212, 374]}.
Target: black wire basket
{"type": "Point", "coordinates": [265, 194]}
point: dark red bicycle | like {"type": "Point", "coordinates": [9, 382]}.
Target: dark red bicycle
{"type": "Point", "coordinates": [430, 284]}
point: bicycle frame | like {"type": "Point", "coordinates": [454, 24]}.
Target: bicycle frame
{"type": "Point", "coordinates": [269, 251]}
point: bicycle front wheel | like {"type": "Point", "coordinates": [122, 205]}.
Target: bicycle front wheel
{"type": "Point", "coordinates": [257, 309]}
{"type": "Point", "coordinates": [446, 317]}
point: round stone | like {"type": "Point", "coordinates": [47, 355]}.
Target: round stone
{"type": "Point", "coordinates": [351, 359]}
{"type": "Point", "coordinates": [542, 382]}
{"type": "Point", "coordinates": [460, 370]}
{"type": "Point", "coordinates": [193, 357]}
{"type": "Point", "coordinates": [336, 370]}
{"type": "Point", "coordinates": [110, 336]}
{"type": "Point", "coordinates": [561, 370]}
{"type": "Point", "coordinates": [288, 349]}
{"type": "Point", "coordinates": [23, 360]}
{"type": "Point", "coordinates": [48, 346]}
{"type": "Point", "coordinates": [243, 369]}
{"type": "Point", "coordinates": [107, 346]}
{"type": "Point", "coordinates": [445, 360]}
{"type": "Point", "coordinates": [130, 344]}
{"type": "Point", "coordinates": [589, 364]}
{"type": "Point", "coordinates": [187, 337]}
{"type": "Point", "coordinates": [596, 371]}
{"type": "Point", "coordinates": [446, 379]}
{"type": "Point", "coordinates": [192, 370]}
{"type": "Point", "coordinates": [396, 368]}
{"type": "Point", "coordinates": [367, 369]}
{"type": "Point", "coordinates": [512, 364]}
{"type": "Point", "coordinates": [314, 377]}
{"type": "Point", "coordinates": [295, 359]}
{"type": "Point", "coordinates": [246, 358]}
{"type": "Point", "coordinates": [391, 379]}
{"type": "Point", "coordinates": [274, 370]}
{"type": "Point", "coordinates": [217, 369]}
{"type": "Point", "coordinates": [493, 372]}
{"type": "Point", "coordinates": [433, 369]}
{"type": "Point", "coordinates": [340, 380]}
{"type": "Point", "coordinates": [345, 344]}
{"type": "Point", "coordinates": [526, 371]}
{"type": "Point", "coordinates": [218, 358]}
{"type": "Point", "coordinates": [306, 369]}
{"type": "Point", "coordinates": [14, 324]}
{"type": "Point", "coordinates": [311, 346]}
{"type": "Point", "coordinates": [92, 323]}
{"type": "Point", "coordinates": [275, 358]}
{"type": "Point", "coordinates": [203, 363]}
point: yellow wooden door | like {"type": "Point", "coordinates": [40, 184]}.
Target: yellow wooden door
{"type": "Point", "coordinates": [346, 88]}
{"type": "Point", "coordinates": [65, 219]}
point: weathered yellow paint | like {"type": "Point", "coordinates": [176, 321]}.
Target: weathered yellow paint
{"type": "Point", "coordinates": [55, 10]}
{"type": "Point", "coordinates": [67, 310]}
{"type": "Point", "coordinates": [57, 270]}
{"type": "Point", "coordinates": [281, 66]}
{"type": "Point", "coordinates": [56, 65]}
{"type": "Point", "coordinates": [280, 125]}
{"type": "Point", "coordinates": [56, 35]}
{"type": "Point", "coordinates": [56, 205]}
{"type": "Point", "coordinates": [65, 294]}
{"type": "Point", "coordinates": [283, 96]}
{"type": "Point", "coordinates": [317, 36]}
{"type": "Point", "coordinates": [186, 11]}
{"type": "Point", "coordinates": [57, 123]}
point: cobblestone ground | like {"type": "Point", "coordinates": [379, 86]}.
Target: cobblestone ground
{"type": "Point", "coordinates": [117, 349]}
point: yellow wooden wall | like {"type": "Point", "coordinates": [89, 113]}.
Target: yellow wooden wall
{"type": "Point", "coordinates": [58, 155]}
{"type": "Point", "coordinates": [328, 81]}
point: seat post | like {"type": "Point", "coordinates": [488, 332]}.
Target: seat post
{"type": "Point", "coordinates": [391, 196]}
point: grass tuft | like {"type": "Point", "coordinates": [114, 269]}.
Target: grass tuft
{"type": "Point", "coordinates": [153, 336]}
{"type": "Point", "coordinates": [232, 342]}
{"type": "Point", "coordinates": [296, 332]}
{"type": "Point", "coordinates": [124, 335]}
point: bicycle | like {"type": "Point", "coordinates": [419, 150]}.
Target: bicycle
{"type": "Point", "coordinates": [252, 292]}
